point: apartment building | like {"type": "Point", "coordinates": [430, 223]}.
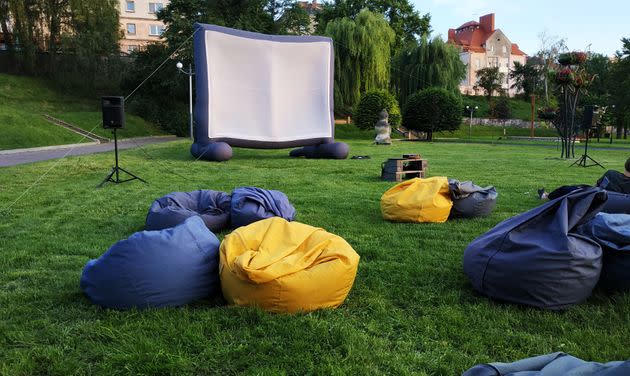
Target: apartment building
{"type": "Point", "coordinates": [484, 46]}
{"type": "Point", "coordinates": [139, 23]}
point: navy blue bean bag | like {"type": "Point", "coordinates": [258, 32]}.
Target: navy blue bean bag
{"type": "Point", "coordinates": [212, 206]}
{"type": "Point", "coordinates": [537, 258]}
{"type": "Point", "coordinates": [251, 204]}
{"type": "Point", "coordinates": [556, 364]}
{"type": "Point", "coordinates": [471, 200]}
{"type": "Point", "coordinates": [617, 203]}
{"type": "Point", "coordinates": [612, 232]}
{"type": "Point", "coordinates": [163, 268]}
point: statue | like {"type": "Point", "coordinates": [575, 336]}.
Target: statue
{"type": "Point", "coordinates": [383, 130]}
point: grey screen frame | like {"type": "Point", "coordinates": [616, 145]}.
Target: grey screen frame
{"type": "Point", "coordinates": [201, 110]}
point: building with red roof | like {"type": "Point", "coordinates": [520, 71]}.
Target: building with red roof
{"type": "Point", "coordinates": [482, 46]}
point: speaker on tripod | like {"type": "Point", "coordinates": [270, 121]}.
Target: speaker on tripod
{"type": "Point", "coordinates": [113, 108]}
{"type": "Point", "coordinates": [589, 122]}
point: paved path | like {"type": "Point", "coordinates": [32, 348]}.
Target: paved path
{"type": "Point", "coordinates": [21, 156]}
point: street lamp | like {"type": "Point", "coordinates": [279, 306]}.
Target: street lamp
{"type": "Point", "coordinates": [471, 109]}
{"type": "Point", "coordinates": [190, 75]}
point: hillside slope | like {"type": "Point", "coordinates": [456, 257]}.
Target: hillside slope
{"type": "Point", "coordinates": [23, 100]}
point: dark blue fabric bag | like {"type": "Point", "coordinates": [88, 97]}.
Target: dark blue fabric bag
{"type": "Point", "coordinates": [612, 233]}
{"type": "Point", "coordinates": [536, 258]}
{"type": "Point", "coordinates": [251, 204]}
{"type": "Point", "coordinates": [165, 268]}
{"type": "Point", "coordinates": [556, 364]}
{"type": "Point", "coordinates": [168, 211]}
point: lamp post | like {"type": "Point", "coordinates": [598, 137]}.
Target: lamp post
{"type": "Point", "coordinates": [471, 109]}
{"type": "Point", "coordinates": [611, 127]}
{"type": "Point", "coordinates": [190, 75]}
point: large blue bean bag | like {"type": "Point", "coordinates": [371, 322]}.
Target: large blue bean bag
{"type": "Point", "coordinates": [251, 204]}
{"type": "Point", "coordinates": [163, 268]}
{"type": "Point", "coordinates": [612, 232]}
{"type": "Point", "coordinates": [537, 258]}
{"type": "Point", "coordinates": [617, 203]}
{"type": "Point", "coordinates": [212, 206]}
{"type": "Point", "coordinates": [556, 364]}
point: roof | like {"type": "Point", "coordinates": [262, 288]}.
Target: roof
{"type": "Point", "coordinates": [468, 24]}
{"type": "Point", "coordinates": [472, 35]}
{"type": "Point", "coordinates": [516, 50]}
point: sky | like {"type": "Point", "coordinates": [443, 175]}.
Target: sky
{"type": "Point", "coordinates": [595, 26]}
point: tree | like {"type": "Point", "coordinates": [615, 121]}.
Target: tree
{"type": "Point", "coordinates": [362, 57]}
{"type": "Point", "coordinates": [430, 63]}
{"type": "Point", "coordinates": [526, 78]}
{"type": "Point", "coordinates": [5, 18]}
{"type": "Point", "coordinates": [433, 110]}
{"type": "Point", "coordinates": [407, 23]}
{"type": "Point", "coordinates": [489, 79]}
{"type": "Point", "coordinates": [370, 106]}
{"type": "Point", "coordinates": [620, 87]}
{"type": "Point", "coordinates": [550, 48]}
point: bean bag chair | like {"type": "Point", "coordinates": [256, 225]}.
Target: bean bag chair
{"type": "Point", "coordinates": [251, 204]}
{"type": "Point", "coordinates": [537, 258]}
{"type": "Point", "coordinates": [470, 200]}
{"type": "Point", "coordinates": [618, 203]}
{"type": "Point", "coordinates": [556, 364]}
{"type": "Point", "coordinates": [284, 266]}
{"type": "Point", "coordinates": [165, 268]}
{"type": "Point", "coordinates": [212, 206]}
{"type": "Point", "coordinates": [417, 200]}
{"type": "Point", "coordinates": [612, 233]}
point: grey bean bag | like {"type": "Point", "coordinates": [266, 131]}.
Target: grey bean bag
{"type": "Point", "coordinates": [470, 200]}
{"type": "Point", "coordinates": [612, 232]}
{"type": "Point", "coordinates": [537, 258]}
{"type": "Point", "coordinates": [556, 364]}
{"type": "Point", "coordinates": [165, 268]}
{"type": "Point", "coordinates": [251, 204]}
{"type": "Point", "coordinates": [212, 206]}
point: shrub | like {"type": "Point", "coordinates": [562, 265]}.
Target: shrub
{"type": "Point", "coordinates": [371, 104]}
{"type": "Point", "coordinates": [500, 108]}
{"type": "Point", "coordinates": [433, 110]}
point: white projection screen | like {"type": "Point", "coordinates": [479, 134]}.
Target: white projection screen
{"type": "Point", "coordinates": [262, 91]}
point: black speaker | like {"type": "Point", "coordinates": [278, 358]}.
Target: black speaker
{"type": "Point", "coordinates": [113, 112]}
{"type": "Point", "coordinates": [590, 117]}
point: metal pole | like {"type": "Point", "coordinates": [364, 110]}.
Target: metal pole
{"type": "Point", "coordinates": [470, 125]}
{"type": "Point", "coordinates": [190, 112]}
{"type": "Point", "coordinates": [116, 154]}
{"type": "Point", "coordinates": [531, 132]}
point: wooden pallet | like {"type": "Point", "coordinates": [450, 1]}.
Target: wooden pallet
{"type": "Point", "coordinates": [399, 169]}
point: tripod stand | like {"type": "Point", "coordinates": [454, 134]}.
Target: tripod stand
{"type": "Point", "coordinates": [116, 170]}
{"type": "Point", "coordinates": [584, 158]}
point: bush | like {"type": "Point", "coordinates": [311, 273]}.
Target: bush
{"type": "Point", "coordinates": [433, 110]}
{"type": "Point", "coordinates": [500, 108]}
{"type": "Point", "coordinates": [371, 104]}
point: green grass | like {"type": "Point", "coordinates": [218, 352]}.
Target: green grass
{"type": "Point", "coordinates": [23, 100]}
{"type": "Point", "coordinates": [411, 310]}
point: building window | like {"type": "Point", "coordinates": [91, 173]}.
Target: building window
{"type": "Point", "coordinates": [131, 48]}
{"type": "Point", "coordinates": [131, 6]}
{"type": "Point", "coordinates": [492, 48]}
{"type": "Point", "coordinates": [156, 29]}
{"type": "Point", "coordinates": [131, 28]}
{"type": "Point", "coordinates": [504, 49]}
{"type": "Point", "coordinates": [478, 63]}
{"type": "Point", "coordinates": [155, 7]}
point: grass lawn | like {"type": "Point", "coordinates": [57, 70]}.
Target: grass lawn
{"type": "Point", "coordinates": [23, 100]}
{"type": "Point", "coordinates": [520, 109]}
{"type": "Point", "coordinates": [411, 310]}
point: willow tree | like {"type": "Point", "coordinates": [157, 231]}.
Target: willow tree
{"type": "Point", "coordinates": [431, 63]}
{"type": "Point", "coordinates": [362, 56]}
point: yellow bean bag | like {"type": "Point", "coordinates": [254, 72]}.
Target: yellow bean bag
{"type": "Point", "coordinates": [286, 266]}
{"type": "Point", "coordinates": [418, 200]}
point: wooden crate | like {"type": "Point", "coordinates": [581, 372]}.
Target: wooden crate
{"type": "Point", "coordinates": [401, 175]}
{"type": "Point", "coordinates": [399, 169]}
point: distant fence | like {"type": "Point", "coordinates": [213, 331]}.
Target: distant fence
{"type": "Point", "coordinates": [519, 123]}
